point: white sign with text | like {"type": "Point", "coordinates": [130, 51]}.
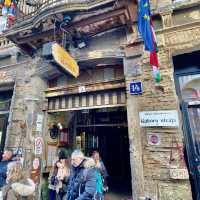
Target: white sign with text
{"type": "Point", "coordinates": [38, 146]}
{"type": "Point", "coordinates": [167, 118]}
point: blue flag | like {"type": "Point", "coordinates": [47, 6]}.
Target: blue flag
{"type": "Point", "coordinates": [144, 25]}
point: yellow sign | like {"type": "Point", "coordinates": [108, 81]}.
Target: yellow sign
{"type": "Point", "coordinates": [65, 60]}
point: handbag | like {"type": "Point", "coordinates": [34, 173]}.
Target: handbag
{"type": "Point", "coordinates": [54, 180]}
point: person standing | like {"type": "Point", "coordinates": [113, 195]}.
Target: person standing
{"type": "Point", "coordinates": [59, 178]}
{"type": "Point", "coordinates": [63, 178]}
{"type": "Point", "coordinates": [6, 160]}
{"type": "Point", "coordinates": [101, 167]}
{"type": "Point", "coordinates": [82, 184]}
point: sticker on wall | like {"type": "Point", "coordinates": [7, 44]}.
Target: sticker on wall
{"type": "Point", "coordinates": [36, 163]}
{"type": "Point", "coordinates": [153, 138]}
{"type": "Point", "coordinates": [181, 174]}
{"type": "Point", "coordinates": [38, 146]}
{"type": "Point", "coordinates": [39, 123]}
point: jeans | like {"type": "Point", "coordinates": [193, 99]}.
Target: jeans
{"type": "Point", "coordinates": [52, 195]}
{"type": "Point", "coordinates": [99, 196]}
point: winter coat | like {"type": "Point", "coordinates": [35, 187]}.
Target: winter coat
{"type": "Point", "coordinates": [22, 189]}
{"type": "Point", "coordinates": [56, 180]}
{"type": "Point", "coordinates": [82, 184]}
{"type": "Point", "coordinates": [3, 171]}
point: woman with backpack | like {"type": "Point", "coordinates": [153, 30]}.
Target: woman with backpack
{"type": "Point", "coordinates": [102, 171]}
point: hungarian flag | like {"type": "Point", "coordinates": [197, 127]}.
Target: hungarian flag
{"type": "Point", "coordinates": [146, 30]}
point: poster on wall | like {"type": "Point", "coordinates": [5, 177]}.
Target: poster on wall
{"type": "Point", "coordinates": [38, 146]}
{"type": "Point", "coordinates": [162, 118]}
{"type": "Point", "coordinates": [51, 154]}
{"type": "Point", "coordinates": [39, 123]}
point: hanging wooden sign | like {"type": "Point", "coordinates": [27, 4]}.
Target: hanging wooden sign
{"type": "Point", "coordinates": [65, 60]}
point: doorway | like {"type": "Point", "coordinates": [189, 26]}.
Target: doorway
{"type": "Point", "coordinates": [106, 130]}
{"type": "Point", "coordinates": [187, 79]}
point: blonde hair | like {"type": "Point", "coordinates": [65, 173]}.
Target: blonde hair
{"type": "Point", "coordinates": [15, 172]}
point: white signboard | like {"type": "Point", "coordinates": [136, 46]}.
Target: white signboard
{"type": "Point", "coordinates": [38, 146]}
{"type": "Point", "coordinates": [167, 118]}
{"type": "Point", "coordinates": [39, 118]}
{"type": "Point", "coordinates": [39, 123]}
{"type": "Point", "coordinates": [39, 127]}
{"type": "Point", "coordinates": [179, 174]}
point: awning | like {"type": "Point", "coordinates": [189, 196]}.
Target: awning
{"type": "Point", "coordinates": [100, 99]}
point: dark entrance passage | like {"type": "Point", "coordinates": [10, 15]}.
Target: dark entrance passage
{"type": "Point", "coordinates": [106, 130]}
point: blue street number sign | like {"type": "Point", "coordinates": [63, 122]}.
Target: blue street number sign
{"type": "Point", "coordinates": [136, 88]}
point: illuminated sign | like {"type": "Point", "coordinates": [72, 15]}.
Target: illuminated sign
{"type": "Point", "coordinates": [65, 60]}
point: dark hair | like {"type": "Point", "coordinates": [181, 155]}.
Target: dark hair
{"type": "Point", "coordinates": [95, 152]}
{"type": "Point", "coordinates": [62, 155]}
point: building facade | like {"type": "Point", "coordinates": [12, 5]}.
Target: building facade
{"type": "Point", "coordinates": [147, 137]}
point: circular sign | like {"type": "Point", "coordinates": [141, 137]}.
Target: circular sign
{"type": "Point", "coordinates": [154, 139]}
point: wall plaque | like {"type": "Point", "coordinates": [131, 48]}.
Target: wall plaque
{"type": "Point", "coordinates": [168, 118]}
{"type": "Point", "coordinates": [179, 174]}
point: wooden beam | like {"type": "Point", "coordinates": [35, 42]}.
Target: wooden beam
{"type": "Point", "coordinates": [90, 87]}
{"type": "Point", "coordinates": [102, 125]}
{"type": "Point", "coordinates": [81, 23]}
{"type": "Point", "coordinates": [24, 47]}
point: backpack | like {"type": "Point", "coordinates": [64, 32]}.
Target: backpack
{"type": "Point", "coordinates": [99, 185]}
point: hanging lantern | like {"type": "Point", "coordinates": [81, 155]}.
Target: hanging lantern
{"type": "Point", "coordinates": [54, 131]}
{"type": "Point", "coordinates": [7, 3]}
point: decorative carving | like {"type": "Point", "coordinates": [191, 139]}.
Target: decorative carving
{"type": "Point", "coordinates": [167, 19]}
{"type": "Point", "coordinates": [183, 37]}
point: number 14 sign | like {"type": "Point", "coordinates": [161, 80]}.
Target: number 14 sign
{"type": "Point", "coordinates": [136, 88]}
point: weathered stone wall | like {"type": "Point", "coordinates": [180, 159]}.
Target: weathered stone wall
{"type": "Point", "coordinates": [27, 102]}
{"type": "Point", "coordinates": [157, 159]}
{"type": "Point", "coordinates": [162, 96]}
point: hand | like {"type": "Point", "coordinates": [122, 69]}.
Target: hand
{"type": "Point", "coordinates": [105, 189]}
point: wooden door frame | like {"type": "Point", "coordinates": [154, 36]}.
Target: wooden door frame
{"type": "Point", "coordinates": [189, 154]}
{"type": "Point", "coordinates": [191, 158]}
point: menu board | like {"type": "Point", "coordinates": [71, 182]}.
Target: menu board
{"type": "Point", "coordinates": [51, 154]}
